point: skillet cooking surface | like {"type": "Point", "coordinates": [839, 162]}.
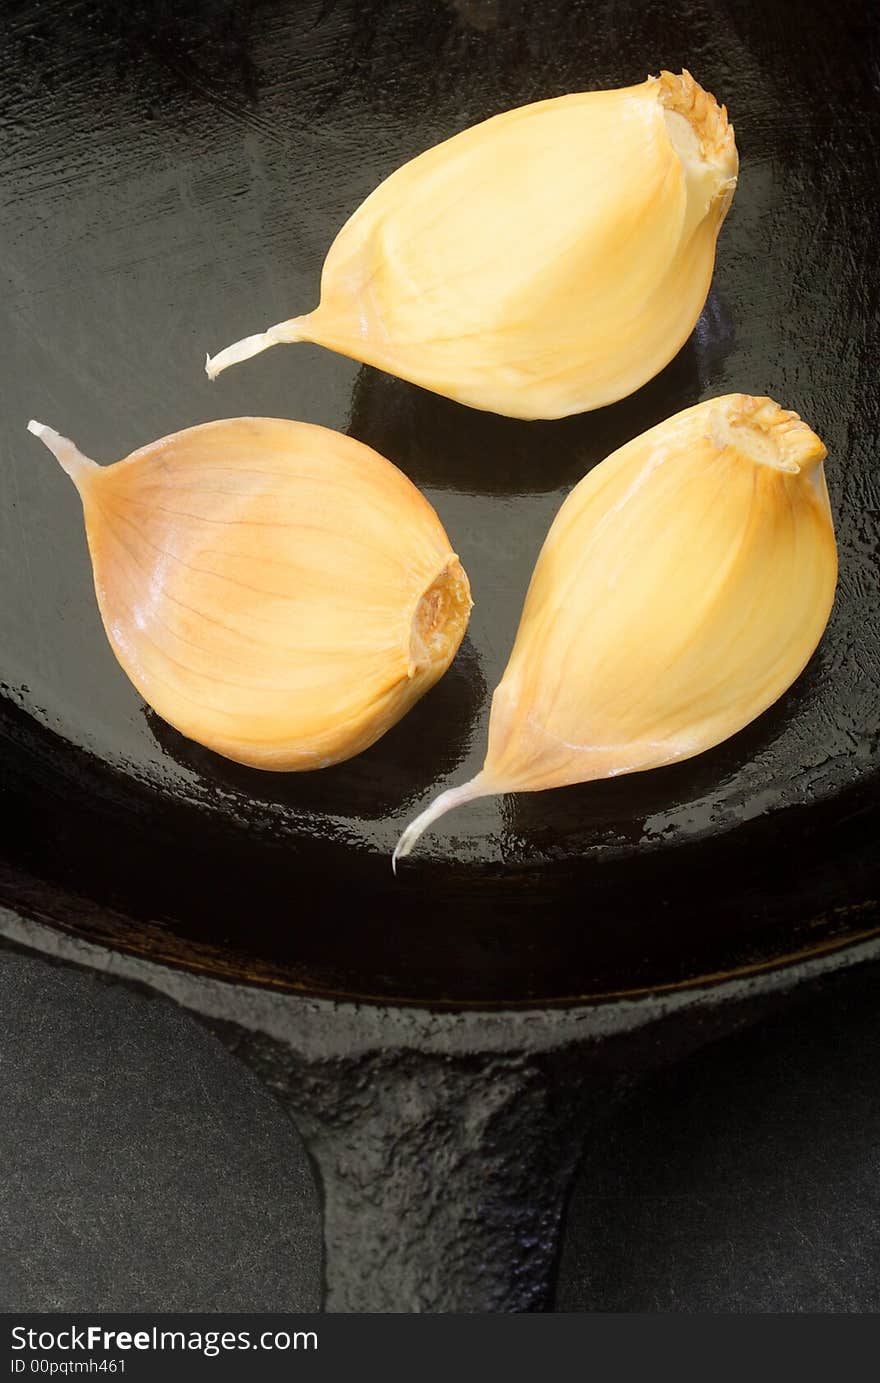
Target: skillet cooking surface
{"type": "Point", "coordinates": [171, 183]}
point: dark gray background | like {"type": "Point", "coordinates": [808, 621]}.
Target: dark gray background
{"type": "Point", "coordinates": [144, 1168]}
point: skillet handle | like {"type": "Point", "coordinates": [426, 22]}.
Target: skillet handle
{"type": "Point", "coordinates": [444, 1179]}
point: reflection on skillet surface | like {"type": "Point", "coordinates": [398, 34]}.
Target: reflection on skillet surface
{"type": "Point", "coordinates": [177, 186]}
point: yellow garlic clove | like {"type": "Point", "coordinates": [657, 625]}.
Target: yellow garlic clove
{"type": "Point", "coordinates": [683, 586]}
{"type": "Point", "coordinates": [548, 261]}
{"type": "Point", "coordinates": [278, 592]}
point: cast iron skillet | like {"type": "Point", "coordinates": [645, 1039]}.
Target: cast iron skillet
{"type": "Point", "coordinates": [172, 178]}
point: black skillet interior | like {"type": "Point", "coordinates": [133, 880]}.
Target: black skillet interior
{"type": "Point", "coordinates": [172, 176]}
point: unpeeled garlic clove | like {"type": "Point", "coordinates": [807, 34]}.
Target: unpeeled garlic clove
{"type": "Point", "coordinates": [548, 261]}
{"type": "Point", "coordinates": [276, 591]}
{"type": "Point", "coordinates": [683, 586]}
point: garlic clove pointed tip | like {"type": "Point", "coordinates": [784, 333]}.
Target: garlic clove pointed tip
{"type": "Point", "coordinates": [66, 453]}
{"type": "Point", "coordinates": [232, 355]}
{"type": "Point", "coordinates": [249, 346]}
{"type": "Point", "coordinates": [446, 802]}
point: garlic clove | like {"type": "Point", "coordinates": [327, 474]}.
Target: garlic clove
{"type": "Point", "coordinates": [276, 591]}
{"type": "Point", "coordinates": [682, 587]}
{"type": "Point", "coordinates": [545, 262]}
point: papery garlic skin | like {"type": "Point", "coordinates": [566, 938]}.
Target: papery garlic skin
{"type": "Point", "coordinates": [682, 587]}
{"type": "Point", "coordinates": [545, 262]}
{"type": "Point", "coordinates": [278, 592]}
